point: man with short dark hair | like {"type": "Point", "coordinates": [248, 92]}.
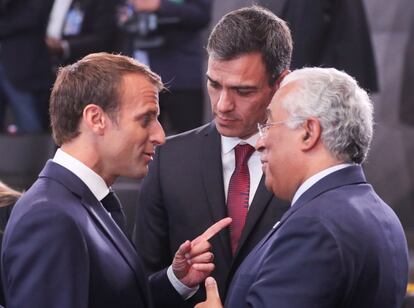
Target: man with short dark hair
{"type": "Point", "coordinates": [65, 243]}
{"type": "Point", "coordinates": [339, 245]}
{"type": "Point", "coordinates": [213, 171]}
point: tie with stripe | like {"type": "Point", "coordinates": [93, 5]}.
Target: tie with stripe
{"type": "Point", "coordinates": [112, 204]}
{"type": "Point", "coordinates": [238, 193]}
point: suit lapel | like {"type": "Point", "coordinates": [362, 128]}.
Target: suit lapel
{"type": "Point", "coordinates": [352, 175]}
{"type": "Point", "coordinates": [99, 214]}
{"type": "Point", "coordinates": [212, 173]}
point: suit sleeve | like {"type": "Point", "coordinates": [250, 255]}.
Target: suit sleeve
{"type": "Point", "coordinates": [46, 267]}
{"type": "Point", "coordinates": [151, 225]}
{"type": "Point", "coordinates": [162, 292]}
{"type": "Point", "coordinates": [193, 13]}
{"type": "Point", "coordinates": [302, 268]}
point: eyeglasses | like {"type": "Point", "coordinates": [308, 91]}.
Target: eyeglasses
{"type": "Point", "coordinates": [263, 128]}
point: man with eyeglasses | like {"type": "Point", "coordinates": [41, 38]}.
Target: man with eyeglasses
{"type": "Point", "coordinates": [213, 171]}
{"type": "Point", "coordinates": [339, 245]}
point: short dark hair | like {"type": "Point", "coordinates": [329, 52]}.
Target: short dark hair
{"type": "Point", "coordinates": [96, 79]}
{"type": "Point", "coordinates": [253, 29]}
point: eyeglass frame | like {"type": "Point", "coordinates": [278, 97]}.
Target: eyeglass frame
{"type": "Point", "coordinates": [263, 128]}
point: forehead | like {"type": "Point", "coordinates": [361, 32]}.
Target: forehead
{"type": "Point", "coordinates": [137, 91]}
{"type": "Point", "coordinates": [276, 106]}
{"type": "Point", "coordinates": [246, 68]}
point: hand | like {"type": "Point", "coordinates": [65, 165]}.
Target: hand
{"type": "Point", "coordinates": [146, 5]}
{"type": "Point", "coordinates": [55, 46]}
{"type": "Point", "coordinates": [213, 297]}
{"type": "Point", "coordinates": [193, 261]}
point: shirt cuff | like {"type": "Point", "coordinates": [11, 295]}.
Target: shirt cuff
{"type": "Point", "coordinates": [181, 288]}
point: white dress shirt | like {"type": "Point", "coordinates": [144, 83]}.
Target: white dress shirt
{"type": "Point", "coordinates": [316, 178]}
{"type": "Point", "coordinates": [57, 18]}
{"type": "Point", "coordinates": [99, 189]}
{"type": "Point", "coordinates": [94, 181]}
{"type": "Point", "coordinates": [229, 163]}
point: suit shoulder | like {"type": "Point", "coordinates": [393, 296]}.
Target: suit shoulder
{"type": "Point", "coordinates": [190, 136]}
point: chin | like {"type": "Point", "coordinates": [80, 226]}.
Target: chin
{"type": "Point", "coordinates": [227, 131]}
{"type": "Point", "coordinates": [139, 174]}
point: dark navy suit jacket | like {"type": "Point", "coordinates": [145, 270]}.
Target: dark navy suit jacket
{"type": "Point", "coordinates": [339, 245]}
{"type": "Point", "coordinates": [62, 249]}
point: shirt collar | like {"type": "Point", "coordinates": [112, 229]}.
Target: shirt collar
{"type": "Point", "coordinates": [92, 180]}
{"type": "Point", "coordinates": [315, 178]}
{"type": "Point", "coordinates": [228, 143]}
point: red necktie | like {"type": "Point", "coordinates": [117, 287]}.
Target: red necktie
{"type": "Point", "coordinates": [238, 193]}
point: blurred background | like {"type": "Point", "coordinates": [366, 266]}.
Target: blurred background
{"type": "Point", "coordinates": [171, 39]}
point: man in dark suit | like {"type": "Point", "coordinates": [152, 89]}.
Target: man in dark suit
{"type": "Point", "coordinates": [25, 76]}
{"type": "Point", "coordinates": [64, 245]}
{"type": "Point", "coordinates": [188, 183]}
{"type": "Point", "coordinates": [79, 27]}
{"type": "Point", "coordinates": [339, 245]}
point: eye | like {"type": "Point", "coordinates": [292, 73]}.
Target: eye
{"type": "Point", "coordinates": [213, 84]}
{"type": "Point", "coordinates": [146, 119]}
{"type": "Point", "coordinates": [244, 91]}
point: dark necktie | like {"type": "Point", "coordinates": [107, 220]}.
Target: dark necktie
{"type": "Point", "coordinates": [238, 193]}
{"type": "Point", "coordinates": [113, 206]}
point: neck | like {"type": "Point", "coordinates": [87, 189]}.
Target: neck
{"type": "Point", "coordinates": [86, 153]}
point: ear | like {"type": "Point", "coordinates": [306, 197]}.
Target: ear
{"type": "Point", "coordinates": [311, 133]}
{"type": "Point", "coordinates": [95, 118]}
{"type": "Point", "coordinates": [280, 78]}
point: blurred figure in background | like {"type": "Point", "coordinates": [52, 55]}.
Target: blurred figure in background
{"type": "Point", "coordinates": [25, 77]}
{"type": "Point", "coordinates": [407, 91]}
{"type": "Point", "coordinates": [166, 35]}
{"type": "Point", "coordinates": [79, 27]}
{"type": "Point", "coordinates": [8, 198]}
{"type": "Point", "coordinates": [330, 33]}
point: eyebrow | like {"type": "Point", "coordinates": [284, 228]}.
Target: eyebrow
{"type": "Point", "coordinates": [238, 87]}
{"type": "Point", "coordinates": [149, 112]}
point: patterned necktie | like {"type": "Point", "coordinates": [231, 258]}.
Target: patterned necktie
{"type": "Point", "coordinates": [238, 193]}
{"type": "Point", "coordinates": [113, 206]}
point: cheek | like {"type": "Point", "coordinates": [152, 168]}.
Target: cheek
{"type": "Point", "coordinates": [255, 110]}
{"type": "Point", "coordinates": [213, 95]}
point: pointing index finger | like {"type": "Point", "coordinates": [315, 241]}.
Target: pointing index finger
{"type": "Point", "coordinates": [212, 230]}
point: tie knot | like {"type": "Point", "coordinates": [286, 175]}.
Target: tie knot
{"type": "Point", "coordinates": [243, 153]}
{"type": "Point", "coordinates": [111, 202]}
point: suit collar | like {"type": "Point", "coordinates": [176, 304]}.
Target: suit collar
{"type": "Point", "coordinates": [348, 176]}
{"type": "Point", "coordinates": [92, 180]}
{"type": "Point", "coordinates": [97, 211]}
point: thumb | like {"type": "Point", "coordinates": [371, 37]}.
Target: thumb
{"type": "Point", "coordinates": [211, 290]}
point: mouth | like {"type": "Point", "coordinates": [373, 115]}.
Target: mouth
{"type": "Point", "coordinates": [149, 156]}
{"type": "Point", "coordinates": [224, 120]}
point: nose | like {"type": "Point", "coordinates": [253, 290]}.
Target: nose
{"type": "Point", "coordinates": [225, 102]}
{"type": "Point", "coordinates": [260, 144]}
{"type": "Point", "coordinates": [157, 134]}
